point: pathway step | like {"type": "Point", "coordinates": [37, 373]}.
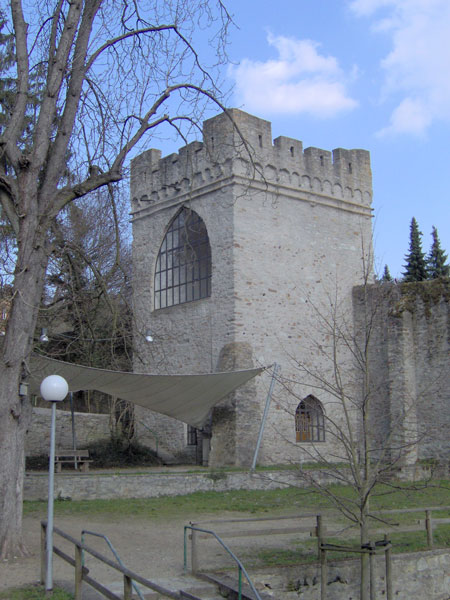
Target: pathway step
{"type": "Point", "coordinates": [188, 596]}
{"type": "Point", "coordinates": [230, 586]}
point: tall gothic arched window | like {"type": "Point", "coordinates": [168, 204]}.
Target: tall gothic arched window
{"type": "Point", "coordinates": [183, 267]}
{"type": "Point", "coordinates": [309, 421]}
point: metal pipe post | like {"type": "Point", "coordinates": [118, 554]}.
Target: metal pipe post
{"type": "Point", "coordinates": [266, 411]}
{"type": "Point", "coordinates": [194, 550]}
{"type": "Point", "coordinates": [51, 476]}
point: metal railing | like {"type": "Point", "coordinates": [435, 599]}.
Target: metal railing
{"type": "Point", "coordinates": [82, 573]}
{"type": "Point", "coordinates": [194, 559]}
{"type": "Point", "coordinates": [113, 550]}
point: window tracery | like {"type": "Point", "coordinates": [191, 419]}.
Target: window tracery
{"type": "Point", "coordinates": [183, 266]}
{"type": "Point", "coordinates": [309, 421]}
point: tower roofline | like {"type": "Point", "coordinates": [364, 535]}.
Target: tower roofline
{"type": "Point", "coordinates": [236, 143]}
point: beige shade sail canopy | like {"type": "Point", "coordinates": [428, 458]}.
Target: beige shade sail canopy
{"type": "Point", "coordinates": [188, 398]}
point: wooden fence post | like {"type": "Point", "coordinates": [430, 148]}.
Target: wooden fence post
{"type": "Point", "coordinates": [78, 573]}
{"type": "Point", "coordinates": [372, 555]}
{"type": "Point", "coordinates": [429, 528]}
{"type": "Point", "coordinates": [319, 531]}
{"type": "Point", "coordinates": [43, 552]}
{"type": "Point", "coordinates": [127, 587]}
{"type": "Point", "coordinates": [388, 561]}
{"type": "Point", "coordinates": [323, 574]}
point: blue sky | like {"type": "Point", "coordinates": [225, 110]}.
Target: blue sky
{"type": "Point", "coordinates": [372, 74]}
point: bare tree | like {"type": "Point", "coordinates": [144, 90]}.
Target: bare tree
{"type": "Point", "coordinates": [108, 75]}
{"type": "Point", "coordinates": [87, 292]}
{"type": "Point", "coordinates": [361, 438]}
{"type": "Point", "coordinates": [86, 308]}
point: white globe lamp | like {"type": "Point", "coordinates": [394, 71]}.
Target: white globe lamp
{"type": "Point", "coordinates": [54, 388]}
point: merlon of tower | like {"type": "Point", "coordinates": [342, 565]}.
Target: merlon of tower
{"type": "Point", "coordinates": [237, 144]}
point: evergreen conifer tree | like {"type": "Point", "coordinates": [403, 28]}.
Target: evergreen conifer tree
{"type": "Point", "coordinates": [386, 274]}
{"type": "Point", "coordinates": [437, 265]}
{"type": "Point", "coordinates": [416, 266]}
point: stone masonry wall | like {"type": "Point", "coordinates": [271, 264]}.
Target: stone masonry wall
{"type": "Point", "coordinates": [289, 268]}
{"type": "Point", "coordinates": [152, 483]}
{"type": "Point", "coordinates": [287, 230]}
{"type": "Point", "coordinates": [187, 337]}
{"type": "Point", "coordinates": [89, 428]}
{"type": "Point", "coordinates": [409, 365]}
{"type": "Point", "coordinates": [414, 575]}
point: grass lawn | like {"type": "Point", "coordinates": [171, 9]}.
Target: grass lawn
{"type": "Point", "coordinates": [293, 500]}
{"type": "Point", "coordinates": [33, 592]}
{"type": "Point", "coordinates": [306, 551]}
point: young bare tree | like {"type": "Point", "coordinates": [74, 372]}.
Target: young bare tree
{"type": "Point", "coordinates": [367, 429]}
{"type": "Point", "coordinates": [107, 75]}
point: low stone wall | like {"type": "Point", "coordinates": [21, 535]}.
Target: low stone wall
{"type": "Point", "coordinates": [89, 427]}
{"type": "Point", "coordinates": [91, 486]}
{"type": "Point", "coordinates": [414, 575]}
{"type": "Point", "coordinates": [149, 483]}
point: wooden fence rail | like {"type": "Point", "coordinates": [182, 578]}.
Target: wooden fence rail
{"type": "Point", "coordinates": [82, 573]}
{"type": "Point", "coordinates": [323, 548]}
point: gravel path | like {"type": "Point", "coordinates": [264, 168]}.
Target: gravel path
{"type": "Point", "coordinates": [148, 547]}
{"type": "Point", "coordinates": [153, 548]}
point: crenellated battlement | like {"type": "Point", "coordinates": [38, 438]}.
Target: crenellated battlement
{"type": "Point", "coordinates": [238, 146]}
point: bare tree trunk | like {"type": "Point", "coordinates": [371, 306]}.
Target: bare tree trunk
{"type": "Point", "coordinates": [77, 104]}
{"type": "Point", "coordinates": [14, 419]}
{"type": "Point", "coordinates": [15, 411]}
{"type": "Point", "coordinates": [365, 567]}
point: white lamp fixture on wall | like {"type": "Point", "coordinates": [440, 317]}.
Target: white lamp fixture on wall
{"type": "Point", "coordinates": [54, 389]}
{"type": "Point", "coordinates": [44, 336]}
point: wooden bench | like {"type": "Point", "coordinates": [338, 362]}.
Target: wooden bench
{"type": "Point", "coordinates": [78, 458]}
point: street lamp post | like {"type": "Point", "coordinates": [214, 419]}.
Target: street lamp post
{"type": "Point", "coordinates": [54, 388]}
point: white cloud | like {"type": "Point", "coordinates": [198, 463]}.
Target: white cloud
{"type": "Point", "coordinates": [410, 116]}
{"type": "Point", "coordinates": [417, 69]}
{"type": "Point", "coordinates": [299, 80]}
{"type": "Point", "coordinates": [367, 7]}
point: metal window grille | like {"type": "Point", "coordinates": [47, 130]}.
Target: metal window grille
{"type": "Point", "coordinates": [191, 436]}
{"type": "Point", "coordinates": [183, 267]}
{"type": "Point", "coordinates": [309, 421]}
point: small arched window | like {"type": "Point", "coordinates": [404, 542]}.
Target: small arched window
{"type": "Point", "coordinates": [183, 267]}
{"type": "Point", "coordinates": [309, 421]}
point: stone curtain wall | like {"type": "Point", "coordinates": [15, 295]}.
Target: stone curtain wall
{"type": "Point", "coordinates": [410, 365]}
{"type": "Point", "coordinates": [89, 428]}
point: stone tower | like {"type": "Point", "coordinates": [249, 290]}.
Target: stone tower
{"type": "Point", "coordinates": [282, 230]}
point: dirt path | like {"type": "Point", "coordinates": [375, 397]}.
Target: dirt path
{"type": "Point", "coordinates": [153, 548]}
{"type": "Point", "coordinates": [148, 547]}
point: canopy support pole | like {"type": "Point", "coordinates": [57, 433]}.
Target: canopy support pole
{"type": "Point", "coordinates": [266, 412]}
